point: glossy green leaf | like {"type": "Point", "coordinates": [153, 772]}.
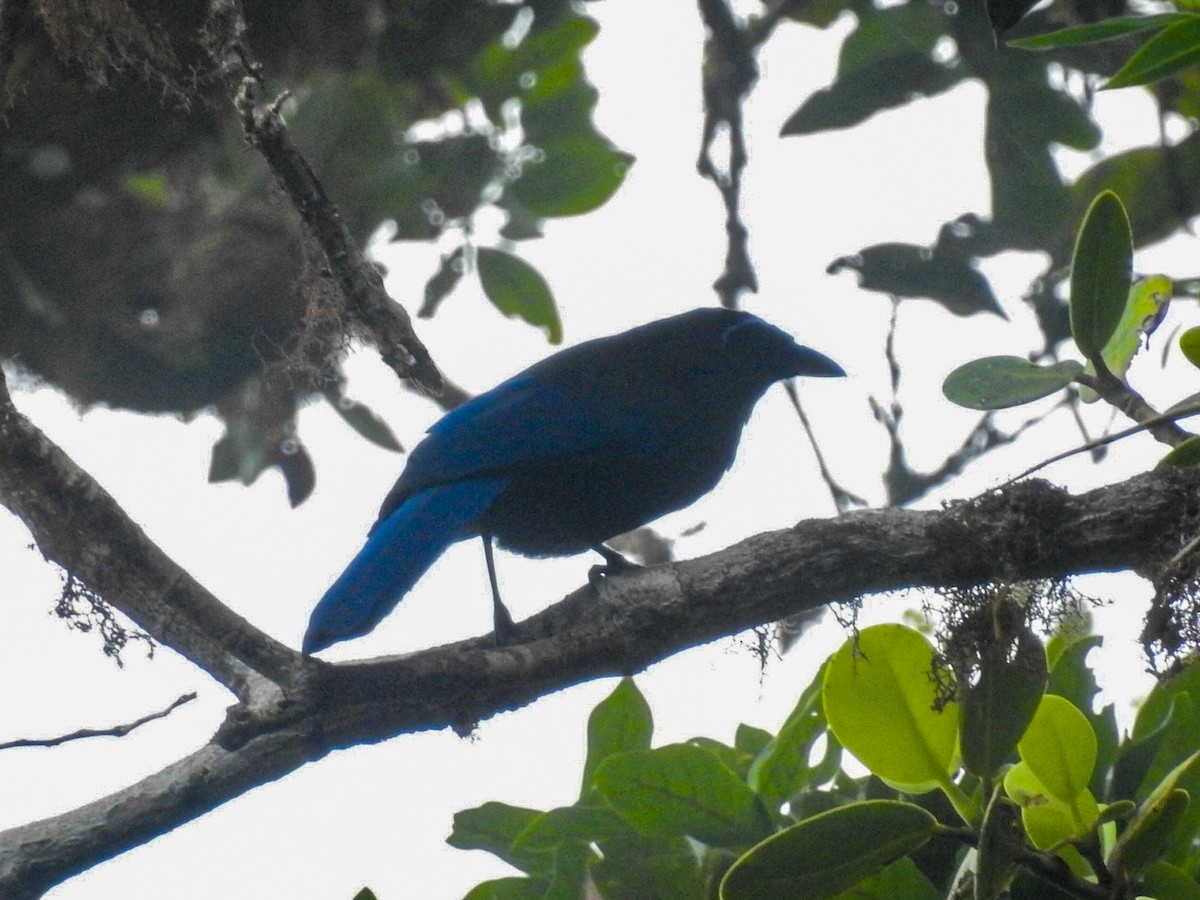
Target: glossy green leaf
{"type": "Point", "coordinates": [518, 289]}
{"type": "Point", "coordinates": [1071, 677]}
{"type": "Point", "coordinates": [1145, 308]}
{"type": "Point", "coordinates": [621, 721]}
{"type": "Point", "coordinates": [998, 382]}
{"type": "Point", "coordinates": [823, 856]}
{"type": "Point", "coordinates": [682, 790]}
{"type": "Point", "coordinates": [495, 827]}
{"type": "Point", "coordinates": [1101, 270]}
{"type": "Point", "coordinates": [1174, 48]}
{"type": "Point", "coordinates": [1096, 31]}
{"type": "Point", "coordinates": [880, 706]}
{"type": "Point", "coordinates": [999, 705]}
{"type": "Point", "coordinates": [1048, 820]}
{"type": "Point", "coordinates": [1059, 747]}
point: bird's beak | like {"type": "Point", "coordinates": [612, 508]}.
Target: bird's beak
{"type": "Point", "coordinates": [810, 363]}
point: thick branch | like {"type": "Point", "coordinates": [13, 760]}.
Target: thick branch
{"type": "Point", "coordinates": [1030, 530]}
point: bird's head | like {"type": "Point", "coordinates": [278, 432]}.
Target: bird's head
{"type": "Point", "coordinates": [765, 353]}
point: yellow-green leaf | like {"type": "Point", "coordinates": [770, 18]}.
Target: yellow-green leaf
{"type": "Point", "coordinates": [879, 705]}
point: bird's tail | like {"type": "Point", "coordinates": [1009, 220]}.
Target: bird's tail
{"type": "Point", "coordinates": [396, 555]}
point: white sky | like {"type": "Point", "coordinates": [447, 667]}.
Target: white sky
{"type": "Point", "coordinates": [379, 815]}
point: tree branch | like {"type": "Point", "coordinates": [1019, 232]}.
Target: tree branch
{"type": "Point", "coordinates": [79, 526]}
{"type": "Point", "coordinates": [1030, 530]}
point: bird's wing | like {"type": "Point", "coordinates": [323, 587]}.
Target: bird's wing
{"type": "Point", "coordinates": [519, 422]}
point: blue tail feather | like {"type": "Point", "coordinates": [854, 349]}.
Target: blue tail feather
{"type": "Point", "coordinates": [400, 549]}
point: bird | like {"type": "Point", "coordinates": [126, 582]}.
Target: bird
{"type": "Point", "coordinates": [591, 442]}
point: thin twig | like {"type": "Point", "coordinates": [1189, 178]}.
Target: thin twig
{"type": "Point", "coordinates": [1184, 411]}
{"type": "Point", "coordinates": [843, 499]}
{"type": "Point", "coordinates": [114, 731]}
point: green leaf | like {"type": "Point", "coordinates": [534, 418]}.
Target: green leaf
{"type": "Point", "coordinates": [1070, 677]}
{"type": "Point", "coordinates": [823, 856]}
{"type": "Point", "coordinates": [1048, 820]}
{"type": "Point", "coordinates": [1189, 343]}
{"type": "Point", "coordinates": [512, 888]}
{"type": "Point", "coordinates": [1096, 31]}
{"type": "Point", "coordinates": [1101, 270]}
{"type": "Point", "coordinates": [1060, 748]}
{"type": "Point", "coordinates": [901, 879]}
{"type": "Point", "coordinates": [495, 827]}
{"type": "Point", "coordinates": [362, 419]}
{"type": "Point", "coordinates": [517, 289]}
{"type": "Point", "coordinates": [998, 382]}
{"type": "Point", "coordinates": [621, 721]}
{"type": "Point", "coordinates": [1163, 880]}
{"type": "Point", "coordinates": [634, 867]}
{"type": "Point", "coordinates": [999, 705]}
{"type": "Point", "coordinates": [1146, 837]}
{"type": "Point", "coordinates": [365, 894]}
{"type": "Point", "coordinates": [1145, 308]}
{"type": "Point", "coordinates": [782, 768]}
{"type": "Point", "coordinates": [751, 740]}
{"type": "Point", "coordinates": [1184, 454]}
{"type": "Point", "coordinates": [1174, 48]}
{"type": "Point", "coordinates": [682, 790]}
{"type": "Point", "coordinates": [880, 706]}
{"type": "Point", "coordinates": [579, 824]}
{"type": "Point", "coordinates": [574, 174]}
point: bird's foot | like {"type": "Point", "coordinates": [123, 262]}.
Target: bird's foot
{"type": "Point", "coordinates": [614, 564]}
{"type": "Point", "coordinates": [505, 630]}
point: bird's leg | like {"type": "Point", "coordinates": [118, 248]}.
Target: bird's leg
{"type": "Point", "coordinates": [614, 564]}
{"type": "Point", "coordinates": [501, 619]}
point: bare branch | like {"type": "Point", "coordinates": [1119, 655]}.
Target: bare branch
{"type": "Point", "coordinates": [114, 731]}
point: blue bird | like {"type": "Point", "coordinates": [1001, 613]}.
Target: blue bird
{"type": "Point", "coordinates": [589, 443]}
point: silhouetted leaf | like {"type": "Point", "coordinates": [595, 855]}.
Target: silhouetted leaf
{"type": "Point", "coordinates": [442, 282]}
{"type": "Point", "coordinates": [1004, 14]}
{"type": "Point", "coordinates": [868, 89]}
{"type": "Point", "coordinates": [906, 270]}
{"type": "Point", "coordinates": [362, 419]}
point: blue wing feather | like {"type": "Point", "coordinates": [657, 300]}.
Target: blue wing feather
{"type": "Point", "coordinates": [400, 549]}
